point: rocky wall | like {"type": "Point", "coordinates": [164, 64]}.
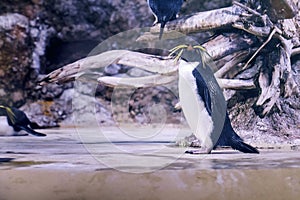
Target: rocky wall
{"type": "Point", "coordinates": [38, 36]}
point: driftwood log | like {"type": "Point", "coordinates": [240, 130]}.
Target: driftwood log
{"type": "Point", "coordinates": [252, 40]}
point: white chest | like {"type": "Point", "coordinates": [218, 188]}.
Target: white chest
{"type": "Point", "coordinates": [193, 106]}
{"type": "Point", "coordinates": [7, 130]}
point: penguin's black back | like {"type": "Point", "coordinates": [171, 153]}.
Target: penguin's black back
{"type": "Point", "coordinates": [228, 136]}
{"type": "Point", "coordinates": [20, 119]}
{"type": "Point", "coordinates": [165, 10]}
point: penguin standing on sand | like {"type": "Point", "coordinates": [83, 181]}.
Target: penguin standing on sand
{"type": "Point", "coordinates": [164, 11]}
{"type": "Point", "coordinates": [202, 104]}
{"type": "Point", "coordinates": [18, 121]}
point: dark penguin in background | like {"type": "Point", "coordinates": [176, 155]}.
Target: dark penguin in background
{"type": "Point", "coordinates": [164, 11]}
{"type": "Point", "coordinates": [18, 120]}
{"type": "Point", "coordinates": [196, 103]}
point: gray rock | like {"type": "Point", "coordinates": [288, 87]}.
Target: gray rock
{"type": "Point", "coordinates": [14, 58]}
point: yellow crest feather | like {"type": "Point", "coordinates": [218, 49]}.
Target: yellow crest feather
{"type": "Point", "coordinates": [10, 113]}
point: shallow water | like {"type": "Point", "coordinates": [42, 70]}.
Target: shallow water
{"type": "Point", "coordinates": [81, 163]}
{"type": "Point", "coordinates": [110, 147]}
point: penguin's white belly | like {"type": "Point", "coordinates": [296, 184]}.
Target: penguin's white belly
{"type": "Point", "coordinates": [6, 130]}
{"type": "Point", "coordinates": [193, 106]}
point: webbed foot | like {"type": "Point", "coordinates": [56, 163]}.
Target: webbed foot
{"type": "Point", "coordinates": [199, 151]}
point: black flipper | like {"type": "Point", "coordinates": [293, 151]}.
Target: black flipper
{"type": "Point", "coordinates": [31, 131]}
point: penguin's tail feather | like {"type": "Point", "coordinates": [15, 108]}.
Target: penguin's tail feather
{"type": "Point", "coordinates": [243, 147]}
{"type": "Point", "coordinates": [32, 132]}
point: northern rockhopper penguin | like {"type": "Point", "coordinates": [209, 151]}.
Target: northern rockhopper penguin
{"type": "Point", "coordinates": [164, 11]}
{"type": "Point", "coordinates": [17, 121]}
{"type": "Point", "coordinates": [201, 102]}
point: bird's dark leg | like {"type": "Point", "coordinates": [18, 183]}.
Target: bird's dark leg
{"type": "Point", "coordinates": [162, 26]}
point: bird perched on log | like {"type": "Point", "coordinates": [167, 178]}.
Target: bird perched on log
{"type": "Point", "coordinates": [201, 102]}
{"type": "Point", "coordinates": [164, 11]}
{"type": "Point", "coordinates": [18, 121]}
